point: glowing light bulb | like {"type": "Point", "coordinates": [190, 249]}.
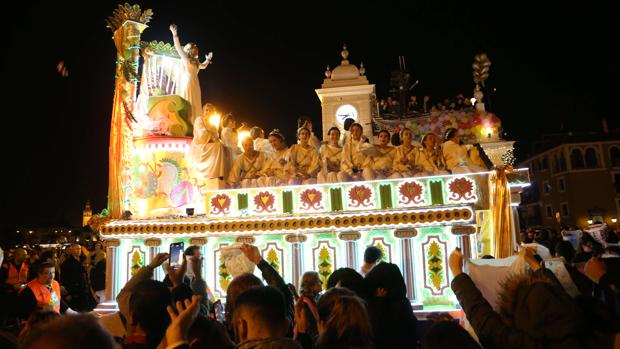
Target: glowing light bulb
{"type": "Point", "coordinates": [215, 119]}
{"type": "Point", "coordinates": [241, 136]}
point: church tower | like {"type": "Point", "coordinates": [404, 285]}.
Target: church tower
{"type": "Point", "coordinates": [86, 214]}
{"type": "Point", "coordinates": [346, 93]}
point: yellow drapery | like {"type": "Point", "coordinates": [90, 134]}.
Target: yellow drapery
{"type": "Point", "coordinates": [500, 209]}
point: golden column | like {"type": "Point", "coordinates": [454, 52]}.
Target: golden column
{"type": "Point", "coordinates": [127, 23]}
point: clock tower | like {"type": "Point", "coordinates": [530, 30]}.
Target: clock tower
{"type": "Point", "coordinates": [346, 93]}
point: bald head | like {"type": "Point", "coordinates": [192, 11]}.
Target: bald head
{"type": "Point", "coordinates": [20, 255]}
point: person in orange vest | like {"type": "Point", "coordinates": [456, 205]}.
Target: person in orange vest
{"type": "Point", "coordinates": [14, 274]}
{"type": "Point", "coordinates": [42, 293]}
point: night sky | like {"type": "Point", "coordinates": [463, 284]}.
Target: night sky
{"type": "Point", "coordinates": [554, 68]}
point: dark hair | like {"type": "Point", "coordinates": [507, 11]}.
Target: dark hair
{"type": "Point", "coordinates": [346, 321]}
{"type": "Point", "coordinates": [484, 157]}
{"type": "Point", "coordinates": [48, 255]}
{"type": "Point", "coordinates": [387, 276]}
{"type": "Point", "coordinates": [147, 305]}
{"type": "Point", "coordinates": [450, 132]}
{"type": "Point", "coordinates": [73, 332]}
{"type": "Point", "coordinates": [448, 335]}
{"type": "Point", "coordinates": [348, 278]}
{"type": "Point", "coordinates": [37, 320]}
{"type": "Point", "coordinates": [565, 249]}
{"type": "Point", "coordinates": [45, 266]}
{"type": "Point", "coordinates": [191, 250]}
{"type": "Point", "coordinates": [239, 284]}
{"type": "Point", "coordinates": [334, 128]}
{"type": "Point", "coordinates": [372, 254]}
{"type": "Point", "coordinates": [347, 123]}
{"type": "Point", "coordinates": [395, 139]}
{"type": "Point", "coordinates": [265, 303]}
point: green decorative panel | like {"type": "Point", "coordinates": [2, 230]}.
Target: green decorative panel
{"type": "Point", "coordinates": [287, 201]}
{"type": "Point", "coordinates": [335, 195]}
{"type": "Point", "coordinates": [385, 191]}
{"type": "Point", "coordinates": [242, 201]}
{"type": "Point", "coordinates": [436, 192]}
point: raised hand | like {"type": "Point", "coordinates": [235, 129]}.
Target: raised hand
{"type": "Point", "coordinates": [182, 319]}
{"type": "Point", "coordinates": [176, 275]}
{"type": "Point", "coordinates": [300, 316]}
{"type": "Point", "coordinates": [528, 253]}
{"type": "Point", "coordinates": [455, 261]}
{"type": "Point", "coordinates": [252, 253]}
{"type": "Point", "coordinates": [173, 29]}
{"type": "Point", "coordinates": [595, 268]}
{"type": "Point", "coordinates": [158, 260]}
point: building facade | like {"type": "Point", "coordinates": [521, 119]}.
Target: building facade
{"type": "Point", "coordinates": [578, 179]}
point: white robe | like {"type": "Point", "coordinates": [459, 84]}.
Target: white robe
{"type": "Point", "coordinates": [246, 171]}
{"type": "Point", "coordinates": [330, 163]}
{"type": "Point", "coordinates": [304, 164]}
{"type": "Point", "coordinates": [408, 169]}
{"type": "Point", "coordinates": [457, 159]}
{"type": "Point", "coordinates": [380, 163]}
{"type": "Point", "coordinates": [208, 157]}
{"type": "Point", "coordinates": [274, 173]}
{"type": "Point", "coordinates": [354, 156]}
{"type": "Point", "coordinates": [431, 163]}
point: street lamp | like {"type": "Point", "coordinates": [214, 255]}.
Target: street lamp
{"type": "Point", "coordinates": [614, 220]}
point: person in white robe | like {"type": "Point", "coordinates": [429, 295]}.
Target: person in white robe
{"type": "Point", "coordinates": [188, 85]}
{"type": "Point", "coordinates": [354, 155]}
{"type": "Point", "coordinates": [380, 161]}
{"type": "Point", "coordinates": [304, 161]}
{"type": "Point", "coordinates": [207, 155]}
{"type": "Point", "coordinates": [275, 173]}
{"type": "Point", "coordinates": [260, 142]}
{"type": "Point", "coordinates": [456, 154]}
{"type": "Point", "coordinates": [429, 159]}
{"type": "Point", "coordinates": [406, 152]}
{"type": "Point", "coordinates": [314, 140]}
{"type": "Point", "coordinates": [330, 154]}
{"type": "Point", "coordinates": [248, 167]}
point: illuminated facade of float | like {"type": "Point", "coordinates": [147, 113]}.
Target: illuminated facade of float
{"type": "Point", "coordinates": [415, 221]}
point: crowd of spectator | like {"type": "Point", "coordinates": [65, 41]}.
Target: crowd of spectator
{"type": "Point", "coordinates": [354, 309]}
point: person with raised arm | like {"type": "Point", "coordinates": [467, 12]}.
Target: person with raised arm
{"type": "Point", "coordinates": [189, 86]}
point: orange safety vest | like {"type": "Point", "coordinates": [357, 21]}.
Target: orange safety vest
{"type": "Point", "coordinates": [15, 277]}
{"type": "Point", "coordinates": [45, 298]}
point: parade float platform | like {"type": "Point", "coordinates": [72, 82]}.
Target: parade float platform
{"type": "Point", "coordinates": [416, 222]}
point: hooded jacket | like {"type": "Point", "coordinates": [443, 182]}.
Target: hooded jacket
{"type": "Point", "coordinates": [534, 312]}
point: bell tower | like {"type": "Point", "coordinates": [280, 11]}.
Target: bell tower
{"type": "Point", "coordinates": [346, 93]}
{"type": "Point", "coordinates": [86, 214]}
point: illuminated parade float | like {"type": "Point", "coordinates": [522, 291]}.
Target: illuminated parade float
{"type": "Point", "coordinates": [158, 195]}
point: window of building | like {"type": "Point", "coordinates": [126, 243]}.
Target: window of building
{"type": "Point", "coordinates": [576, 159]}
{"type": "Point", "coordinates": [548, 211]}
{"type": "Point", "coordinates": [564, 209]}
{"type": "Point", "coordinates": [617, 182]}
{"type": "Point", "coordinates": [591, 158]}
{"type": "Point", "coordinates": [561, 184]}
{"type": "Point", "coordinates": [544, 164]}
{"type": "Point", "coordinates": [546, 188]}
{"type": "Point", "coordinates": [561, 162]}
{"type": "Point", "coordinates": [614, 155]}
